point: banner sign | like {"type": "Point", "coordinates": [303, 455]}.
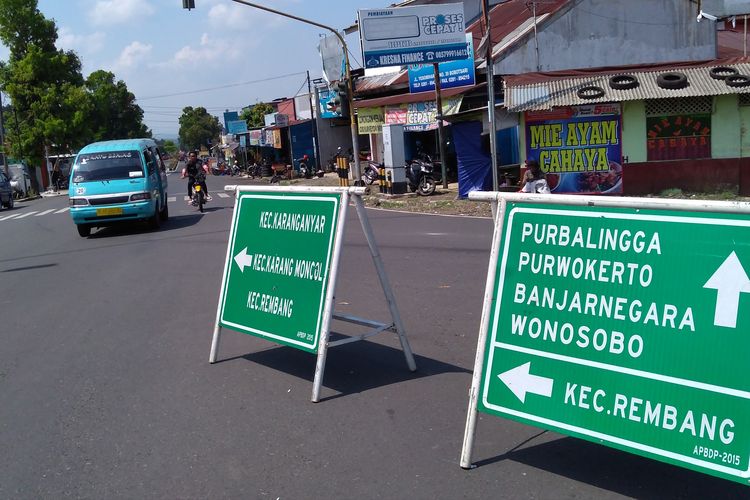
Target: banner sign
{"type": "Point", "coordinates": [243, 141]}
{"type": "Point", "coordinates": [237, 127]}
{"type": "Point", "coordinates": [276, 276]}
{"type": "Point", "coordinates": [267, 137]}
{"type": "Point", "coordinates": [452, 74]}
{"type": "Point", "coordinates": [422, 34]}
{"type": "Point", "coordinates": [370, 120]}
{"type": "Point", "coordinates": [255, 137]}
{"type": "Point", "coordinates": [420, 116]}
{"type": "Point", "coordinates": [230, 116]}
{"type": "Point", "coordinates": [276, 138]}
{"type": "Point", "coordinates": [679, 137]}
{"type": "Point", "coordinates": [324, 97]}
{"type": "Point", "coordinates": [578, 147]}
{"type": "Point", "coordinates": [627, 327]}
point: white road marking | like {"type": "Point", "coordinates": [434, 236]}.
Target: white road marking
{"type": "Point", "coordinates": [63, 210]}
{"type": "Point", "coordinates": [45, 212]}
{"type": "Point", "coordinates": [223, 195]}
{"type": "Point", "coordinates": [7, 217]}
{"type": "Point", "coordinates": [26, 215]}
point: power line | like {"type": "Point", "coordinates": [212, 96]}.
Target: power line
{"type": "Point", "coordinates": [222, 86]}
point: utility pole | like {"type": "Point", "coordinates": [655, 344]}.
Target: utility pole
{"type": "Point", "coordinates": [441, 131]}
{"type": "Point", "coordinates": [356, 172]}
{"type": "Point", "coordinates": [313, 123]}
{"type": "Point", "coordinates": [2, 137]}
{"type": "Point", "coordinates": [490, 95]}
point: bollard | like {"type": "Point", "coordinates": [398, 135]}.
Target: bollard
{"type": "Point", "coordinates": [388, 183]}
{"type": "Point", "coordinates": [381, 178]}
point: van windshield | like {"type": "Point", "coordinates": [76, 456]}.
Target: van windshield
{"type": "Point", "coordinates": [107, 166]}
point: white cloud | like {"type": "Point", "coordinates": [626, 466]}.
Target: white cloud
{"type": "Point", "coordinates": [209, 52]}
{"type": "Point", "coordinates": [132, 55]}
{"type": "Point", "coordinates": [107, 12]}
{"type": "Point", "coordinates": [242, 18]}
{"type": "Point", "coordinates": [83, 44]}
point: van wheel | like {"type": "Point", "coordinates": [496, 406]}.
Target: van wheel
{"type": "Point", "coordinates": [84, 231]}
{"type": "Point", "coordinates": [164, 214]}
{"type": "Point", "coordinates": [154, 221]}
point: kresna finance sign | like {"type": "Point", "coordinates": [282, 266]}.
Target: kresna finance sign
{"type": "Point", "coordinates": [423, 34]}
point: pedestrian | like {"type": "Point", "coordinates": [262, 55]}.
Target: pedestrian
{"type": "Point", "coordinates": [56, 177]}
{"type": "Point", "coordinates": [534, 180]}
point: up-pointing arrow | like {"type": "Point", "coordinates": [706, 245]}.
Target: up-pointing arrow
{"type": "Point", "coordinates": [729, 281]}
{"type": "Point", "coordinates": [520, 381]}
{"type": "Point", "coordinates": [243, 260]}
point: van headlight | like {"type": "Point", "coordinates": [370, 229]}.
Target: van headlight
{"type": "Point", "coordinates": [78, 202]}
{"type": "Point", "coordinates": [140, 196]}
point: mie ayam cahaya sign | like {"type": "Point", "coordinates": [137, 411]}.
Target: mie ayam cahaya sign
{"type": "Point", "coordinates": [422, 34]}
{"type": "Point", "coordinates": [578, 147]}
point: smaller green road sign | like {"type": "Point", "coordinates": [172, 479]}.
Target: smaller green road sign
{"type": "Point", "coordinates": [626, 327]}
{"type": "Point", "coordinates": [277, 269]}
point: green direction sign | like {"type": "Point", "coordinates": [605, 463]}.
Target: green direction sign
{"type": "Point", "coordinates": [626, 327]}
{"type": "Point", "coordinates": [276, 274]}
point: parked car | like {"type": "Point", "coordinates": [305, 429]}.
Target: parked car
{"type": "Point", "coordinates": [20, 179]}
{"type": "Point", "coordinates": [6, 192]}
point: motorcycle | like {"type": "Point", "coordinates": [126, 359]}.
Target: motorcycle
{"type": "Point", "coordinates": [199, 196]}
{"type": "Point", "coordinates": [420, 177]}
{"type": "Point", "coordinates": [304, 170]}
{"type": "Point", "coordinates": [371, 172]}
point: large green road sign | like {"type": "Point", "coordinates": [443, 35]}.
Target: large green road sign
{"type": "Point", "coordinates": [277, 269]}
{"type": "Point", "coordinates": [626, 327]}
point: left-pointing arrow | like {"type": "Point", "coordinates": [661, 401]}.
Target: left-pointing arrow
{"type": "Point", "coordinates": [243, 260]}
{"type": "Point", "coordinates": [520, 381]}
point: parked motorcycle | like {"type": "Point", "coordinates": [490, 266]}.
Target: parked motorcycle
{"type": "Point", "coordinates": [371, 172]}
{"type": "Point", "coordinates": [304, 170]}
{"type": "Point", "coordinates": [420, 177]}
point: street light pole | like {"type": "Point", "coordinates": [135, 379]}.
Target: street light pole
{"type": "Point", "coordinates": [350, 88]}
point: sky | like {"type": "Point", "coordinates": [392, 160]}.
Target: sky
{"type": "Point", "coordinates": [220, 55]}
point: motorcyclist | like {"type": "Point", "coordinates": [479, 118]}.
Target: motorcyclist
{"type": "Point", "coordinates": [191, 171]}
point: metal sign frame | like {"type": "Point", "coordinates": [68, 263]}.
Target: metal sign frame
{"type": "Point", "coordinates": [631, 209]}
{"type": "Point", "coordinates": [345, 195]}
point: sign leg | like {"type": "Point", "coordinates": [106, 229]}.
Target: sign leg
{"type": "Point", "coordinates": [367, 229]}
{"type": "Point", "coordinates": [476, 379]}
{"type": "Point", "coordinates": [215, 344]}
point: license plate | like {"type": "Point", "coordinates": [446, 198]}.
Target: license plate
{"type": "Point", "coordinates": [100, 212]}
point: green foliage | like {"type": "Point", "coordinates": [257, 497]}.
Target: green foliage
{"type": "Point", "coordinates": [254, 114]}
{"type": "Point", "coordinates": [50, 103]}
{"type": "Point", "coordinates": [198, 128]}
{"type": "Point", "coordinates": [114, 113]}
{"type": "Point", "coordinates": [168, 145]}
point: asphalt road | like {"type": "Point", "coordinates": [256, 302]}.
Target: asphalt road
{"type": "Point", "coordinates": [106, 390]}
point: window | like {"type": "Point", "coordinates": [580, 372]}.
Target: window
{"type": "Point", "coordinates": [107, 166]}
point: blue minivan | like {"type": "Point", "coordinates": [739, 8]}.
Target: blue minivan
{"type": "Point", "coordinates": [118, 181]}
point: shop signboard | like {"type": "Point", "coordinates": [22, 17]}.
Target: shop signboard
{"type": "Point", "coordinates": [578, 147]}
{"type": "Point", "coordinates": [255, 137]}
{"type": "Point", "coordinates": [422, 34]}
{"type": "Point", "coordinates": [419, 116]}
{"type": "Point", "coordinates": [678, 137]}
{"type": "Point", "coordinates": [237, 127]}
{"type": "Point", "coordinates": [370, 120]}
{"type": "Point", "coordinates": [611, 325]}
{"type": "Point", "coordinates": [459, 73]}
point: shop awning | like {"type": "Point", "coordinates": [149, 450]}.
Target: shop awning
{"type": "Point", "coordinates": [409, 98]}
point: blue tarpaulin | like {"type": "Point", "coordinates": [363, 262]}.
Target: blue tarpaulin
{"type": "Point", "coordinates": [474, 165]}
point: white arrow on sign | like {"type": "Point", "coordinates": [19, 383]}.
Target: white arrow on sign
{"type": "Point", "coordinates": [729, 281]}
{"type": "Point", "coordinates": [520, 381]}
{"type": "Point", "coordinates": [243, 260]}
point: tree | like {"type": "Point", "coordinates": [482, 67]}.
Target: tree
{"type": "Point", "coordinates": [167, 145]}
{"type": "Point", "coordinates": [113, 111]}
{"type": "Point", "coordinates": [44, 84]}
{"type": "Point", "coordinates": [254, 115]}
{"type": "Point", "coordinates": [197, 128]}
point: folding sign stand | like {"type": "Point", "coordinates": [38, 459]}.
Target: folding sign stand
{"type": "Point", "coordinates": [567, 342]}
{"type": "Point", "coordinates": [281, 267]}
